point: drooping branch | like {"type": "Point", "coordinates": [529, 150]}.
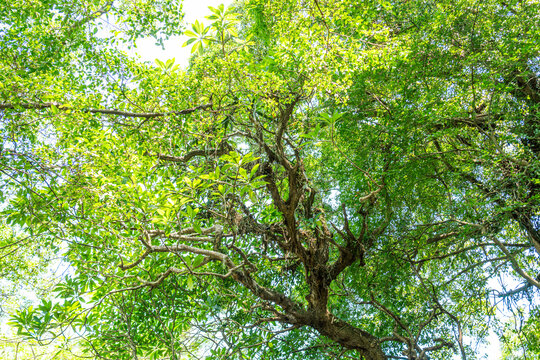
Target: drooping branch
{"type": "Point", "coordinates": [520, 215]}
{"type": "Point", "coordinates": [518, 290]}
{"type": "Point", "coordinates": [515, 264]}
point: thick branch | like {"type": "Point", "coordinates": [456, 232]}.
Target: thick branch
{"type": "Point", "coordinates": [222, 150]}
{"type": "Point", "coordinates": [439, 237]}
{"type": "Point", "coordinates": [346, 335]}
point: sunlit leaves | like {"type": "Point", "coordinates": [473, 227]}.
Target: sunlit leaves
{"type": "Point", "coordinates": [221, 31]}
{"type": "Point", "coordinates": [403, 132]}
{"type": "Point", "coordinates": [201, 36]}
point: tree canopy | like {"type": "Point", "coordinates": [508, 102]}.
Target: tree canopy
{"type": "Point", "coordinates": [327, 179]}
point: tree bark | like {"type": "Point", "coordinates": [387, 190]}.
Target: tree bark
{"type": "Point", "coordinates": [345, 334]}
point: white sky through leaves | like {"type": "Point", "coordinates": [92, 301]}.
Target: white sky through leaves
{"type": "Point", "coordinates": [193, 10]}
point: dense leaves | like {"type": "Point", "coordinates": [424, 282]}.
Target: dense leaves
{"type": "Point", "coordinates": [327, 179]}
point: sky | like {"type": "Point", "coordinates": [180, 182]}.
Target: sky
{"type": "Point", "coordinates": [197, 10]}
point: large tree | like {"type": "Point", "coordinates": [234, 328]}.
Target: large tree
{"type": "Point", "coordinates": [327, 179]}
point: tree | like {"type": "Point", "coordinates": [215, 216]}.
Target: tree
{"type": "Point", "coordinates": [327, 179]}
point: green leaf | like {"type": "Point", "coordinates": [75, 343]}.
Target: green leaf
{"type": "Point", "coordinates": [189, 284]}
{"type": "Point", "coordinates": [160, 63]}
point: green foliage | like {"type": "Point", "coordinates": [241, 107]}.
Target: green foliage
{"type": "Point", "coordinates": [222, 31]}
{"type": "Point", "coordinates": [326, 179]}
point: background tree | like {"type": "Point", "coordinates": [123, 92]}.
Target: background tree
{"type": "Point", "coordinates": [338, 179]}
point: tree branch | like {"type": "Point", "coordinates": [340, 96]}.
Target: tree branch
{"type": "Point", "coordinates": [223, 149]}
{"type": "Point", "coordinates": [62, 107]}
